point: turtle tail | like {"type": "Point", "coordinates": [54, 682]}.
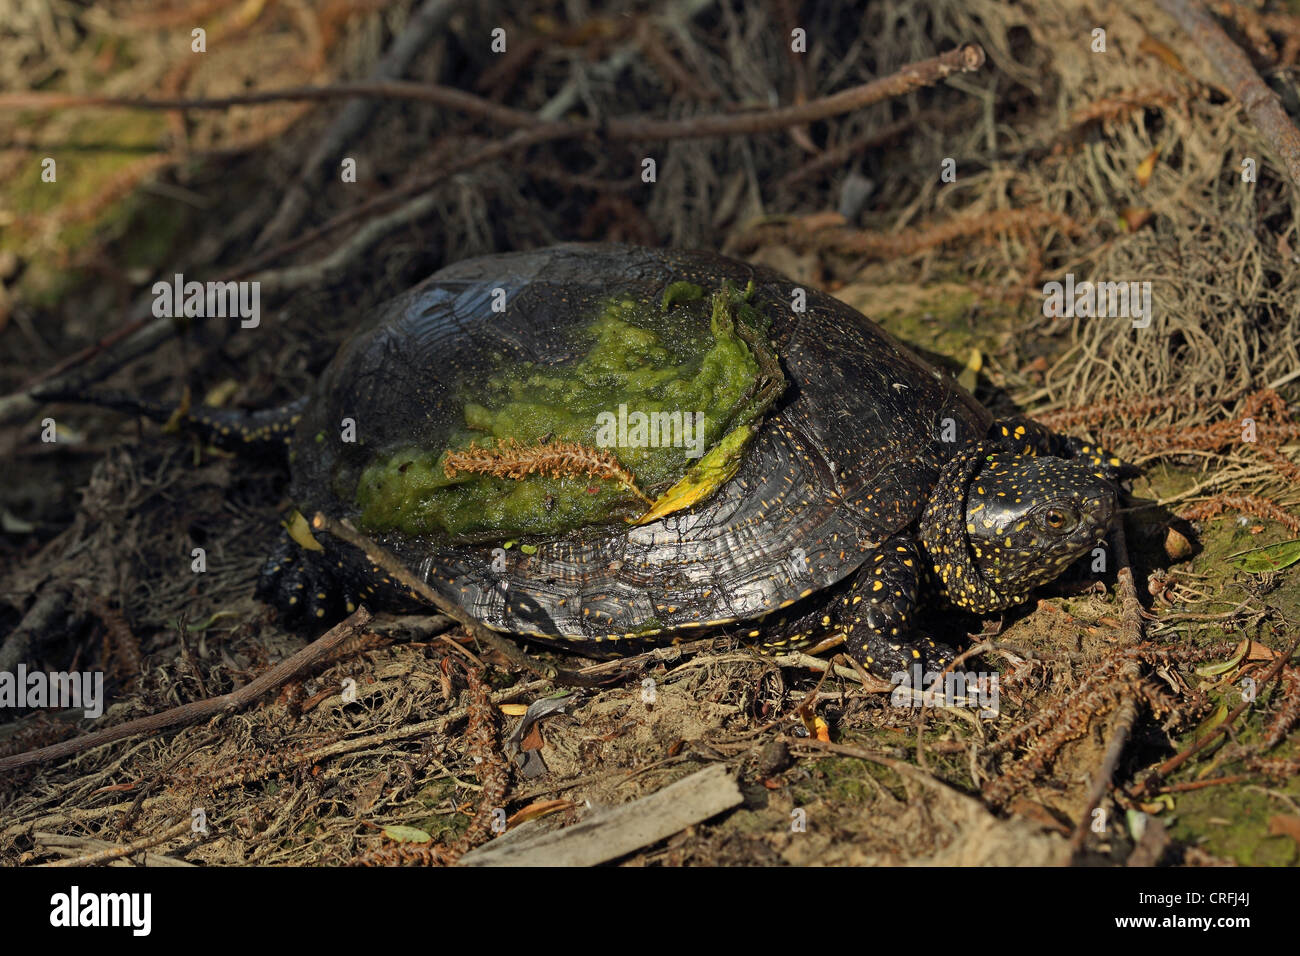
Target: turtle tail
{"type": "Point", "coordinates": [262, 433]}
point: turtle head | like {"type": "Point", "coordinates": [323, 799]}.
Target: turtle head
{"type": "Point", "coordinates": [1001, 524]}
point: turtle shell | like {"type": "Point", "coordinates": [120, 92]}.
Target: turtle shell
{"type": "Point", "coordinates": [846, 458]}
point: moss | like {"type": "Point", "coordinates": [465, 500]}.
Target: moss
{"type": "Point", "coordinates": [443, 823]}
{"type": "Point", "coordinates": [659, 387]}
{"type": "Point", "coordinates": [935, 317]}
{"type": "Point", "coordinates": [842, 780]}
{"type": "Point", "coordinates": [101, 149]}
{"type": "Point", "coordinates": [1222, 540]}
{"type": "Point", "coordinates": [1231, 820]}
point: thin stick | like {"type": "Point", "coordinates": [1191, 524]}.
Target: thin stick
{"type": "Point", "coordinates": [108, 855]}
{"type": "Point", "coordinates": [1202, 784]}
{"type": "Point", "coordinates": [1260, 103]}
{"type": "Point", "coordinates": [914, 76]}
{"type": "Point", "coordinates": [965, 59]}
{"type": "Point", "coordinates": [1177, 760]}
{"type": "Point", "coordinates": [200, 709]}
{"type": "Point", "coordinates": [444, 96]}
{"type": "Point", "coordinates": [1126, 717]}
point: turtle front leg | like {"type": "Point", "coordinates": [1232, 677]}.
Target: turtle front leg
{"type": "Point", "coordinates": [311, 588]}
{"type": "Point", "coordinates": [877, 613]}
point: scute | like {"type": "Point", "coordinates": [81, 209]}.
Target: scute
{"type": "Point", "coordinates": [847, 458]}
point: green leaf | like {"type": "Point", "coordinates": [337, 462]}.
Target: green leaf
{"type": "Point", "coordinates": [1220, 714]}
{"type": "Point", "coordinates": [1274, 557]}
{"type": "Point", "coordinates": [402, 834]}
{"type": "Point", "coordinates": [1215, 670]}
{"type": "Point", "coordinates": [204, 625]}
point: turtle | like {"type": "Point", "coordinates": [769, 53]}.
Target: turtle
{"type": "Point", "coordinates": [847, 483]}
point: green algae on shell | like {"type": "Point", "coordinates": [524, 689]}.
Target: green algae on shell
{"type": "Point", "coordinates": [658, 386]}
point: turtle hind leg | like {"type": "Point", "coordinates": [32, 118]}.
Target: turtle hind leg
{"type": "Point", "coordinates": [305, 587]}
{"type": "Point", "coordinates": [310, 588]}
{"type": "Point", "coordinates": [264, 433]}
{"type": "Point", "coordinates": [877, 612]}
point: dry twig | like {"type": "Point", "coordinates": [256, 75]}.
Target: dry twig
{"type": "Point", "coordinates": [1126, 716]}
{"type": "Point", "coordinates": [200, 709]}
{"type": "Point", "coordinates": [1260, 103]}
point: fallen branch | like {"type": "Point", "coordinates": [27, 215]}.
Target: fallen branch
{"type": "Point", "coordinates": [142, 332]}
{"type": "Point", "coordinates": [1260, 103]}
{"type": "Point", "coordinates": [965, 58]}
{"type": "Point", "coordinates": [914, 76]}
{"type": "Point", "coordinates": [109, 854]}
{"type": "Point", "coordinates": [380, 557]}
{"type": "Point", "coordinates": [200, 709]}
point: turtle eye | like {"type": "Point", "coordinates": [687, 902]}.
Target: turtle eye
{"type": "Point", "coordinates": [1059, 518]}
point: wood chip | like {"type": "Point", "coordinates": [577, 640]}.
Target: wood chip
{"type": "Point", "coordinates": [621, 830]}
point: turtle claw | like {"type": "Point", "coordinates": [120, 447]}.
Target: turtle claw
{"type": "Point", "coordinates": [888, 657]}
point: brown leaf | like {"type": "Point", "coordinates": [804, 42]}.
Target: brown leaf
{"type": "Point", "coordinates": [1255, 651]}
{"type": "Point", "coordinates": [1147, 167]}
{"type": "Point", "coordinates": [1285, 826]}
{"type": "Point", "coordinates": [533, 739]}
{"type": "Point", "coordinates": [537, 809]}
{"type": "Point", "coordinates": [1167, 56]}
{"type": "Point", "coordinates": [1134, 218]}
